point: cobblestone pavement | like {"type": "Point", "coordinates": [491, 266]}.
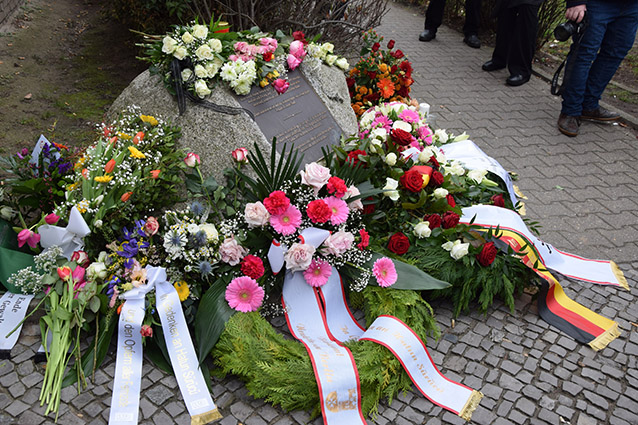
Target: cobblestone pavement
{"type": "Point", "coordinates": [583, 193]}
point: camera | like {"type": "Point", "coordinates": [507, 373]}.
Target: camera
{"type": "Point", "coordinates": [568, 29]}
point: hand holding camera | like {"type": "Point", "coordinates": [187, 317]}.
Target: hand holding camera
{"type": "Point", "coordinates": [574, 26]}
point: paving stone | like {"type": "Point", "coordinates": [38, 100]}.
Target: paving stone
{"type": "Point", "coordinates": [526, 406]}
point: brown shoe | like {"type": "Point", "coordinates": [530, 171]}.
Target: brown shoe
{"type": "Point", "coordinates": [568, 125]}
{"type": "Point", "coordinates": [601, 115]}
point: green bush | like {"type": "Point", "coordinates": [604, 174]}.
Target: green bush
{"type": "Point", "coordinates": [150, 16]}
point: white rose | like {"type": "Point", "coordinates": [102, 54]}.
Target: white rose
{"type": "Point", "coordinates": [97, 270]}
{"type": "Point", "coordinates": [342, 63]}
{"type": "Point", "coordinates": [390, 189]}
{"type": "Point", "coordinates": [440, 193]}
{"type": "Point", "coordinates": [477, 175]}
{"type": "Point", "coordinates": [243, 88]}
{"type": "Point", "coordinates": [391, 159]}
{"type": "Point", "coordinates": [379, 133]}
{"type": "Point", "coordinates": [448, 245]}
{"type": "Point", "coordinates": [204, 52]}
{"type": "Point", "coordinates": [7, 212]}
{"type": "Point", "coordinates": [337, 243]}
{"type": "Point", "coordinates": [187, 37]}
{"type": "Point", "coordinates": [192, 228]}
{"type": "Point", "coordinates": [211, 232]}
{"type": "Point", "coordinates": [328, 47]}
{"type": "Point", "coordinates": [299, 256]}
{"type": "Point", "coordinates": [187, 74]}
{"type": "Point", "coordinates": [200, 71]}
{"type": "Point", "coordinates": [213, 66]}
{"type": "Point", "coordinates": [350, 193]}
{"type": "Point", "coordinates": [455, 168]}
{"type": "Point", "coordinates": [215, 45]}
{"type": "Point", "coordinates": [330, 59]}
{"type": "Point", "coordinates": [201, 89]}
{"type": "Point", "coordinates": [169, 44]}
{"type": "Point", "coordinates": [459, 250]}
{"type": "Point", "coordinates": [180, 52]}
{"type": "Point", "coordinates": [256, 214]}
{"type": "Point", "coordinates": [315, 175]}
{"type": "Point", "coordinates": [422, 230]}
{"type": "Point", "coordinates": [405, 126]}
{"type": "Point", "coordinates": [367, 118]}
{"type": "Point", "coordinates": [200, 31]}
{"type": "Point", "coordinates": [441, 135]}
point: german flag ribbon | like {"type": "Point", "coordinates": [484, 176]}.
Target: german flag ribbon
{"type": "Point", "coordinates": [554, 306]}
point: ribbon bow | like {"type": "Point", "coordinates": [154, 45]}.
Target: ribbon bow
{"type": "Point", "coordinates": [312, 236]}
{"type": "Point", "coordinates": [69, 238]}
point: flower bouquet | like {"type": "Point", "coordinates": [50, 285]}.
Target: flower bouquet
{"type": "Point", "coordinates": [379, 75]}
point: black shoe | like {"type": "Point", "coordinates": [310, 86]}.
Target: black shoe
{"type": "Point", "coordinates": [568, 125]}
{"type": "Point", "coordinates": [490, 66]}
{"type": "Point", "coordinates": [601, 115]}
{"type": "Point", "coordinates": [427, 35]}
{"type": "Point", "coordinates": [516, 80]}
{"type": "Point", "coordinates": [473, 41]}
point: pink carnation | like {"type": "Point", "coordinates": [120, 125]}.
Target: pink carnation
{"type": "Point", "coordinates": [339, 209]}
{"type": "Point", "coordinates": [384, 271]}
{"type": "Point", "coordinates": [317, 273]}
{"type": "Point", "coordinates": [288, 222]}
{"type": "Point", "coordinates": [244, 294]}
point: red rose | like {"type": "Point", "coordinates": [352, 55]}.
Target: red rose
{"type": "Point", "coordinates": [434, 161]}
{"type": "Point", "coordinates": [450, 219]}
{"type": "Point", "coordinates": [268, 56]}
{"type": "Point", "coordinates": [391, 44]}
{"type": "Point", "coordinates": [353, 156]}
{"type": "Point", "coordinates": [399, 243]}
{"type": "Point", "coordinates": [372, 75]}
{"type": "Point", "coordinates": [434, 220]}
{"type": "Point", "coordinates": [337, 187]}
{"type": "Point", "coordinates": [299, 35]}
{"type": "Point", "coordinates": [437, 178]}
{"type": "Point", "coordinates": [404, 91]}
{"type": "Point", "coordinates": [368, 208]}
{"type": "Point", "coordinates": [393, 69]}
{"type": "Point", "coordinates": [252, 266]}
{"type": "Point", "coordinates": [350, 81]}
{"type": "Point", "coordinates": [398, 54]}
{"type": "Point", "coordinates": [412, 180]}
{"type": "Point", "coordinates": [450, 200]}
{"type": "Point", "coordinates": [365, 239]}
{"type": "Point", "coordinates": [318, 211]}
{"type": "Point", "coordinates": [487, 254]}
{"type": "Point", "coordinates": [401, 137]}
{"type": "Point", "coordinates": [498, 200]}
{"type": "Point", "coordinates": [375, 47]}
{"type": "Point", "coordinates": [146, 331]}
{"type": "Point", "coordinates": [406, 67]}
{"type": "Point", "coordinates": [277, 202]}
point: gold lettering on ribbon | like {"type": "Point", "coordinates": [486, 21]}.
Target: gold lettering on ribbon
{"type": "Point", "coordinates": [334, 405]}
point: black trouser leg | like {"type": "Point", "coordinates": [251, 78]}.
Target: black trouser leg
{"type": "Point", "coordinates": [434, 15]}
{"type": "Point", "coordinates": [504, 27]}
{"type": "Point", "coordinates": [472, 17]}
{"type": "Point", "coordinates": [523, 36]}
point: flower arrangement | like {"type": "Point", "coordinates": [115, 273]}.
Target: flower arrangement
{"type": "Point", "coordinates": [380, 75]}
{"type": "Point", "coordinates": [210, 54]}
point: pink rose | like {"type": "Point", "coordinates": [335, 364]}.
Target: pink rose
{"type": "Point", "coordinates": [151, 226]}
{"type": "Point", "coordinates": [192, 159]}
{"type": "Point", "coordinates": [280, 85]}
{"type": "Point", "coordinates": [240, 155]}
{"type": "Point", "coordinates": [293, 62]}
{"type": "Point", "coordinates": [256, 214]}
{"type": "Point", "coordinates": [351, 193]}
{"type": "Point", "coordinates": [52, 218]}
{"type": "Point", "coordinates": [315, 175]}
{"type": "Point", "coordinates": [231, 252]}
{"type": "Point", "coordinates": [299, 256]}
{"type": "Point", "coordinates": [81, 258]}
{"type": "Point", "coordinates": [297, 49]}
{"type": "Point", "coordinates": [337, 243]}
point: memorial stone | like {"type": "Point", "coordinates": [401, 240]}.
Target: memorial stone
{"type": "Point", "coordinates": [314, 112]}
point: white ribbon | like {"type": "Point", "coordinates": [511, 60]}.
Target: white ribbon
{"type": "Point", "coordinates": [69, 238]}
{"type": "Point", "coordinates": [596, 271]}
{"type": "Point", "coordinates": [312, 236]}
{"type": "Point", "coordinates": [473, 158]}
{"type": "Point", "coordinates": [35, 154]}
{"type": "Point", "coordinates": [13, 308]}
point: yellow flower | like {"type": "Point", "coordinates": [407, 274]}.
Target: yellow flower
{"type": "Point", "coordinates": [82, 206]}
{"type": "Point", "coordinates": [263, 83]}
{"type": "Point", "coordinates": [124, 136]}
{"type": "Point", "coordinates": [103, 179]}
{"type": "Point", "coordinates": [135, 153]}
{"type": "Point", "coordinates": [72, 187]}
{"type": "Point", "coordinates": [149, 119]}
{"type": "Point", "coordinates": [127, 286]}
{"type": "Point", "coordinates": [182, 290]}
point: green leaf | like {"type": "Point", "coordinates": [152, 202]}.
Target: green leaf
{"type": "Point", "coordinates": [94, 304]}
{"type": "Point", "coordinates": [410, 277]}
{"type": "Point", "coordinates": [211, 318]}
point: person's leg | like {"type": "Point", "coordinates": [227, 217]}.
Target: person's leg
{"type": "Point", "coordinates": [434, 15]}
{"type": "Point", "coordinates": [581, 59]}
{"type": "Point", "coordinates": [472, 17]}
{"type": "Point", "coordinates": [523, 41]}
{"type": "Point", "coordinates": [618, 40]}
{"type": "Point", "coordinates": [504, 29]}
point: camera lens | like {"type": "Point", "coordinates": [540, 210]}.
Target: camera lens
{"type": "Point", "coordinates": [563, 31]}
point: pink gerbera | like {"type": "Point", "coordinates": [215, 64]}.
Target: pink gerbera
{"type": "Point", "coordinates": [288, 222]}
{"type": "Point", "coordinates": [317, 273]}
{"type": "Point", "coordinates": [382, 121]}
{"type": "Point", "coordinates": [383, 269]}
{"type": "Point", "coordinates": [244, 294]}
{"type": "Point", "coordinates": [339, 209]}
{"type": "Point", "coordinates": [408, 115]}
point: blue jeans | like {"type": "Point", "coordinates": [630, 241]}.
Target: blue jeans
{"type": "Point", "coordinates": [607, 39]}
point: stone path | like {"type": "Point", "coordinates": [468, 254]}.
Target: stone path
{"type": "Point", "coordinates": [583, 193]}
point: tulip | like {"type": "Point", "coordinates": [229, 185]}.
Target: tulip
{"type": "Point", "coordinates": [125, 197]}
{"type": "Point", "coordinates": [155, 173]}
{"type": "Point", "coordinates": [85, 173]}
{"type": "Point", "coordinates": [78, 274]}
{"type": "Point", "coordinates": [113, 140]}
{"type": "Point", "coordinates": [146, 330]}
{"type": "Point", "coordinates": [51, 218]}
{"type": "Point", "coordinates": [64, 272]}
{"type": "Point", "coordinates": [29, 237]}
{"type": "Point", "coordinates": [110, 166]}
{"type": "Point", "coordinates": [138, 137]}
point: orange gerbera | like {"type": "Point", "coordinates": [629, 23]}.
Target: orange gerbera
{"type": "Point", "coordinates": [386, 86]}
